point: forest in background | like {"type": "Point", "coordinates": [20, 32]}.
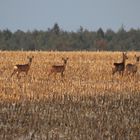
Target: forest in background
{"type": "Point", "coordinates": [56, 39]}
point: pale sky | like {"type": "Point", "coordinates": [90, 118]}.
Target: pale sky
{"type": "Point", "coordinates": [69, 14]}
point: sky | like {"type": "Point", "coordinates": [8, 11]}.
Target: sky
{"type": "Point", "coordinates": [69, 14]}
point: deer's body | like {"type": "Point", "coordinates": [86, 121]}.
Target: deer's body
{"type": "Point", "coordinates": [58, 68]}
{"type": "Point", "coordinates": [22, 67]}
{"type": "Point", "coordinates": [132, 68]}
{"type": "Point", "coordinates": [120, 67]}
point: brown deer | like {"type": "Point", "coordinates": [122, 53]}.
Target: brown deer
{"type": "Point", "coordinates": [120, 67]}
{"type": "Point", "coordinates": [22, 67]}
{"type": "Point", "coordinates": [132, 68]}
{"type": "Point", "coordinates": [59, 68]}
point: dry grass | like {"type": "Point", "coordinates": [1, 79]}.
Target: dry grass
{"type": "Point", "coordinates": [89, 103]}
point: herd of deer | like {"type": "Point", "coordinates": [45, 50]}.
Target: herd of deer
{"type": "Point", "coordinates": [128, 69]}
{"type": "Point", "coordinates": [25, 67]}
{"type": "Point", "coordinates": [118, 67]}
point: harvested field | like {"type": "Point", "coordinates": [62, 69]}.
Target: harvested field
{"type": "Point", "coordinates": [87, 103]}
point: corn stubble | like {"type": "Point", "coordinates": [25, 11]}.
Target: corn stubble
{"type": "Point", "coordinates": [86, 103]}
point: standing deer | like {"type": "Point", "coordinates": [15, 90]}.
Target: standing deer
{"type": "Point", "coordinates": [120, 67]}
{"type": "Point", "coordinates": [59, 68]}
{"type": "Point", "coordinates": [22, 67]}
{"type": "Point", "coordinates": [132, 68]}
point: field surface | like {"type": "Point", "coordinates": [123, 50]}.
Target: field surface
{"type": "Point", "coordinates": [88, 103]}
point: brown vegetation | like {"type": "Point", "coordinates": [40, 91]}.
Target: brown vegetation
{"type": "Point", "coordinates": [89, 104]}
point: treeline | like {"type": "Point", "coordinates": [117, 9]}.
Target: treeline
{"type": "Point", "coordinates": [56, 39]}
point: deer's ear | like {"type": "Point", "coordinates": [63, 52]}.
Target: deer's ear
{"type": "Point", "coordinates": [125, 53]}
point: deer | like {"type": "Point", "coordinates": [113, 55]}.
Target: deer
{"type": "Point", "coordinates": [132, 68]}
{"type": "Point", "coordinates": [120, 67]}
{"type": "Point", "coordinates": [22, 67]}
{"type": "Point", "coordinates": [59, 68]}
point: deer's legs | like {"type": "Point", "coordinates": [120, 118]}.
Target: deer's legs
{"type": "Point", "coordinates": [122, 73]}
{"type": "Point", "coordinates": [50, 73]}
{"type": "Point", "coordinates": [26, 73]}
{"type": "Point", "coordinates": [18, 76]}
{"type": "Point", "coordinates": [14, 72]}
{"type": "Point", "coordinates": [113, 71]}
{"type": "Point", "coordinates": [62, 74]}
